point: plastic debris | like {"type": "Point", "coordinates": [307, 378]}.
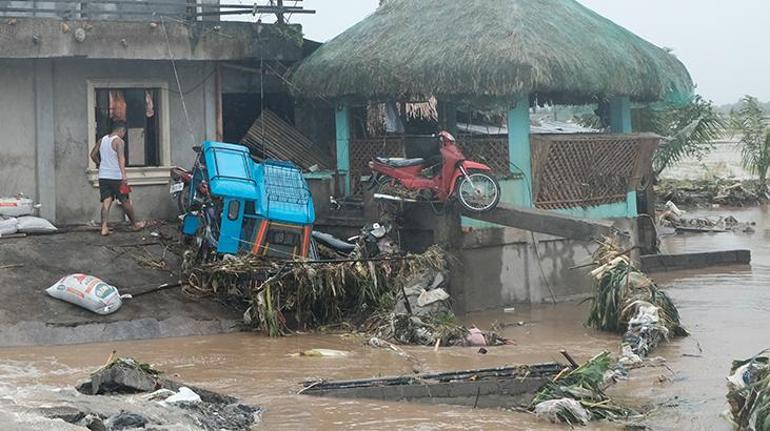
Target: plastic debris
{"type": "Point", "coordinates": [428, 297]}
{"type": "Point", "coordinates": [563, 410]}
{"type": "Point", "coordinates": [322, 353]}
{"type": "Point", "coordinates": [185, 395]}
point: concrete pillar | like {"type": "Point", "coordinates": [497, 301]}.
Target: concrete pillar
{"type": "Point", "coordinates": [520, 153]}
{"type": "Point", "coordinates": [210, 103]}
{"type": "Point", "coordinates": [44, 136]}
{"type": "Point", "coordinates": [620, 115]}
{"type": "Point", "coordinates": [342, 122]}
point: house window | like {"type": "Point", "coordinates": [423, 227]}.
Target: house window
{"type": "Point", "coordinates": [144, 107]}
{"type": "Point", "coordinates": [139, 108]}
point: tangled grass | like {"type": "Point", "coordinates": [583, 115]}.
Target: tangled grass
{"type": "Point", "coordinates": [278, 295]}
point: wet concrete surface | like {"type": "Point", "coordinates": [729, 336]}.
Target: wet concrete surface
{"type": "Point", "coordinates": [28, 316]}
{"type": "Point", "coordinates": [724, 308]}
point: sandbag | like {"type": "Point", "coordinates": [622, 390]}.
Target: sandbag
{"type": "Point", "coordinates": [16, 206]}
{"type": "Point", "coordinates": [30, 224]}
{"type": "Point", "coordinates": [9, 226]}
{"type": "Point", "coordinates": [88, 292]}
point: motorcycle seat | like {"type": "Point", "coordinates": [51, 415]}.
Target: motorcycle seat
{"type": "Point", "coordinates": [398, 162]}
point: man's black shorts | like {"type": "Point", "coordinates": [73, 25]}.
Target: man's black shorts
{"type": "Point", "coordinates": [111, 189]}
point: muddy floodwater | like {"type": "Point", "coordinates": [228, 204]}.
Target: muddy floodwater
{"type": "Point", "coordinates": [726, 309]}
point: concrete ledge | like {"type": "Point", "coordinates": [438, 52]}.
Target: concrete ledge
{"type": "Point", "coordinates": [40, 333]}
{"type": "Point", "coordinates": [37, 37]}
{"type": "Point", "coordinates": [673, 262]}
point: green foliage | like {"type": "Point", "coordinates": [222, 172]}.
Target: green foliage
{"type": "Point", "coordinates": [690, 129]}
{"type": "Point", "coordinates": [584, 384]}
{"type": "Point", "coordinates": [750, 401]}
{"type": "Point", "coordinates": [748, 119]}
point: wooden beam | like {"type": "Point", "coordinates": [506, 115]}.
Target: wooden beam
{"type": "Point", "coordinates": [546, 222]}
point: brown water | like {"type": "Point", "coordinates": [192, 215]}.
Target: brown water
{"type": "Point", "coordinates": [725, 310]}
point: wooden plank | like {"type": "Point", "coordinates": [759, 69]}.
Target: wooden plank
{"type": "Point", "coordinates": [546, 222]}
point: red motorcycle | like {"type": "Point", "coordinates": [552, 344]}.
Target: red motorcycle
{"type": "Point", "coordinates": [455, 177]}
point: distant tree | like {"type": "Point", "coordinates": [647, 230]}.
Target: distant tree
{"type": "Point", "coordinates": [748, 119]}
{"type": "Point", "coordinates": [689, 129]}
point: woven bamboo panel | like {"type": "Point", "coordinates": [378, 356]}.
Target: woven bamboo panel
{"type": "Point", "coordinates": [491, 150]}
{"type": "Point", "coordinates": [362, 151]}
{"type": "Point", "coordinates": [587, 170]}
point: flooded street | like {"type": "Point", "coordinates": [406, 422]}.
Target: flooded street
{"type": "Point", "coordinates": [724, 309]}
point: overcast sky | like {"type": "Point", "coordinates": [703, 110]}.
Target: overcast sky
{"type": "Point", "coordinates": [724, 44]}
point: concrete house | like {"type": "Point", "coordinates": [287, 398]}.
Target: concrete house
{"type": "Point", "coordinates": [171, 69]}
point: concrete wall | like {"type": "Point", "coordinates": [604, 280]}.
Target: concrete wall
{"type": "Point", "coordinates": [45, 135]}
{"type": "Point", "coordinates": [76, 199]}
{"type": "Point", "coordinates": [17, 121]}
{"type": "Point", "coordinates": [227, 40]}
{"type": "Point", "coordinates": [500, 268]}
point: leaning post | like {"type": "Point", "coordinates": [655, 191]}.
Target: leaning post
{"type": "Point", "coordinates": [342, 123]}
{"type": "Point", "coordinates": [520, 154]}
{"type": "Point", "coordinates": [620, 122]}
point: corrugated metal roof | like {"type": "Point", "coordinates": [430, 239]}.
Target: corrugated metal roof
{"type": "Point", "coordinates": [272, 138]}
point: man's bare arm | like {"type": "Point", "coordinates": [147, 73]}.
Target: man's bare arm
{"type": "Point", "coordinates": [95, 154]}
{"type": "Point", "coordinates": [119, 146]}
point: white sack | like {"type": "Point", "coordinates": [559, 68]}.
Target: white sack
{"type": "Point", "coordinates": [88, 292]}
{"type": "Point", "coordinates": [30, 224]}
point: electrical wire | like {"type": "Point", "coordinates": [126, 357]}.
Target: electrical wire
{"type": "Point", "coordinates": [178, 82]}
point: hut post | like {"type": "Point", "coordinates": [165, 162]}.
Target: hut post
{"type": "Point", "coordinates": [620, 114]}
{"type": "Point", "coordinates": [520, 154]}
{"type": "Point", "coordinates": [447, 117]}
{"type": "Point", "coordinates": [620, 122]}
{"type": "Point", "coordinates": [342, 126]}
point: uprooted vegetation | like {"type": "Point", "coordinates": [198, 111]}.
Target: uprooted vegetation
{"type": "Point", "coordinates": [705, 193]}
{"type": "Point", "coordinates": [577, 396]}
{"type": "Point", "coordinates": [749, 393]}
{"type": "Point", "coordinates": [398, 298]}
{"type": "Point", "coordinates": [627, 302]}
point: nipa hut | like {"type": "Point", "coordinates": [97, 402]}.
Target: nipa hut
{"type": "Point", "coordinates": [503, 56]}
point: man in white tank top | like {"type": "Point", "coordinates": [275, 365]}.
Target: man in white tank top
{"type": "Point", "coordinates": [109, 155]}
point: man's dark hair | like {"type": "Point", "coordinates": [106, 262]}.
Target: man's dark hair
{"type": "Point", "coordinates": [119, 125]}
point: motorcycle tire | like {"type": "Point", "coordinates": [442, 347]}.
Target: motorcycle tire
{"type": "Point", "coordinates": [478, 209]}
{"type": "Point", "coordinates": [183, 200]}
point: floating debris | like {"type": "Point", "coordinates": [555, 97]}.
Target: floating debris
{"type": "Point", "coordinates": [706, 193]}
{"type": "Point", "coordinates": [749, 393]}
{"type": "Point", "coordinates": [577, 396]}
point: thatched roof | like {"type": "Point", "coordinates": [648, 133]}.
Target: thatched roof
{"type": "Point", "coordinates": [466, 50]}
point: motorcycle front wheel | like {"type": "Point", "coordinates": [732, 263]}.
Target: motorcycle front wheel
{"type": "Point", "coordinates": [478, 192]}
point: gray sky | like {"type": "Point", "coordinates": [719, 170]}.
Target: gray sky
{"type": "Point", "coordinates": [724, 44]}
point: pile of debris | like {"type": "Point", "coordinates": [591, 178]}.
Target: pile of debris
{"type": "Point", "coordinates": [148, 400]}
{"type": "Point", "coordinates": [675, 218]}
{"type": "Point", "coordinates": [749, 393]}
{"type": "Point", "coordinates": [422, 315]}
{"type": "Point", "coordinates": [577, 396]}
{"type": "Point", "coordinates": [706, 193]}
{"type": "Point", "coordinates": [397, 297]}
{"type": "Point", "coordinates": [627, 302]}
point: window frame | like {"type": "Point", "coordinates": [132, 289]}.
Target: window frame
{"type": "Point", "coordinates": [139, 176]}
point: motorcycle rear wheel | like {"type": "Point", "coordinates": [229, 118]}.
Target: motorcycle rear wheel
{"type": "Point", "coordinates": [480, 194]}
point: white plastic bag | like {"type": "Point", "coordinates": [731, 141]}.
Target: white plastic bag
{"type": "Point", "coordinates": [9, 226]}
{"type": "Point", "coordinates": [88, 292]}
{"type": "Point", "coordinates": [30, 224]}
